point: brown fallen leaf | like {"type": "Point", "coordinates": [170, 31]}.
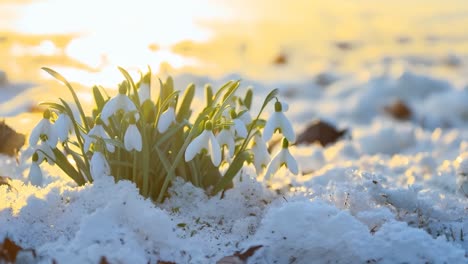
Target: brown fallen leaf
{"type": "Point", "coordinates": [10, 140]}
{"type": "Point", "coordinates": [8, 251]}
{"type": "Point", "coordinates": [103, 260]}
{"type": "Point", "coordinates": [398, 110]}
{"type": "Point", "coordinates": [281, 59]}
{"type": "Point", "coordinates": [165, 262]}
{"type": "Point", "coordinates": [239, 258]}
{"type": "Point", "coordinates": [321, 132]}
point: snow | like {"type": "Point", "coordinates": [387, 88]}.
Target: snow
{"type": "Point", "coordinates": [390, 192]}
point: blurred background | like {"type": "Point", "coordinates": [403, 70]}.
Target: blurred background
{"type": "Point", "coordinates": [262, 40]}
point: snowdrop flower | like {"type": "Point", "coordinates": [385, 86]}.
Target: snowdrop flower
{"type": "Point", "coordinates": [166, 119]}
{"type": "Point", "coordinates": [35, 173]}
{"type": "Point", "coordinates": [278, 121]}
{"type": "Point", "coordinates": [63, 126]}
{"type": "Point", "coordinates": [132, 138]}
{"type": "Point", "coordinates": [283, 157]}
{"type": "Point", "coordinates": [144, 91]}
{"type": "Point", "coordinates": [245, 116]}
{"type": "Point", "coordinates": [261, 156]}
{"type": "Point", "coordinates": [44, 152]}
{"type": "Point", "coordinates": [97, 131]}
{"type": "Point", "coordinates": [226, 138]}
{"type": "Point", "coordinates": [44, 130]}
{"type": "Point", "coordinates": [119, 102]}
{"type": "Point", "coordinates": [205, 141]}
{"type": "Point", "coordinates": [239, 125]}
{"type": "Point", "coordinates": [99, 165]}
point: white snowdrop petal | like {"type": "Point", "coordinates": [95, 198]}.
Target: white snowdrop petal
{"type": "Point", "coordinates": [196, 146]}
{"type": "Point", "coordinates": [286, 128]}
{"type": "Point", "coordinates": [62, 126]}
{"type": "Point", "coordinates": [109, 109]}
{"type": "Point", "coordinates": [144, 92]}
{"type": "Point", "coordinates": [274, 165]}
{"type": "Point", "coordinates": [291, 162]}
{"type": "Point", "coordinates": [52, 136]}
{"type": "Point", "coordinates": [126, 104]}
{"type": "Point", "coordinates": [87, 142]}
{"type": "Point", "coordinates": [166, 119]}
{"type": "Point", "coordinates": [246, 118]}
{"type": "Point", "coordinates": [35, 174]}
{"type": "Point", "coordinates": [225, 138]}
{"type": "Point", "coordinates": [37, 131]}
{"type": "Point", "coordinates": [132, 138]}
{"type": "Point", "coordinates": [99, 165]}
{"type": "Point", "coordinates": [240, 128]}
{"type": "Point", "coordinates": [214, 149]}
{"type": "Point", "coordinates": [271, 125]}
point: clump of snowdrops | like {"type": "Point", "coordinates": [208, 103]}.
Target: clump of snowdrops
{"type": "Point", "coordinates": [150, 140]}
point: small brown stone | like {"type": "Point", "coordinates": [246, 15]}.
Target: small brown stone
{"type": "Point", "coordinates": [281, 59]}
{"type": "Point", "coordinates": [398, 110]}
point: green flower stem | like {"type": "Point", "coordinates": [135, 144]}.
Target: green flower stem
{"type": "Point", "coordinates": [177, 159]}
{"type": "Point", "coordinates": [134, 167]}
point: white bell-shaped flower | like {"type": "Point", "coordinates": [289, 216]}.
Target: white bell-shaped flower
{"type": "Point", "coordinates": [279, 122]}
{"type": "Point", "coordinates": [119, 102]}
{"type": "Point", "coordinates": [99, 165]}
{"type": "Point", "coordinates": [44, 152]}
{"type": "Point", "coordinates": [245, 116]}
{"type": "Point", "coordinates": [283, 157]}
{"type": "Point", "coordinates": [97, 131]}
{"type": "Point", "coordinates": [35, 174]}
{"type": "Point", "coordinates": [144, 91]}
{"type": "Point", "coordinates": [63, 126]}
{"type": "Point", "coordinates": [167, 118]}
{"type": "Point", "coordinates": [205, 141]}
{"type": "Point", "coordinates": [132, 138]}
{"type": "Point", "coordinates": [261, 156]}
{"type": "Point", "coordinates": [226, 139]}
{"type": "Point", "coordinates": [44, 130]}
{"type": "Point", "coordinates": [239, 128]}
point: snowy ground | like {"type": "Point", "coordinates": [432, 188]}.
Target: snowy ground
{"type": "Point", "coordinates": [387, 193]}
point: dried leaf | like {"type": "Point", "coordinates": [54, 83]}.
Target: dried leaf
{"type": "Point", "coordinates": [103, 260]}
{"type": "Point", "coordinates": [398, 110]}
{"type": "Point", "coordinates": [8, 251]}
{"type": "Point", "coordinates": [281, 59]}
{"type": "Point", "coordinates": [165, 262]}
{"type": "Point", "coordinates": [239, 258]}
{"type": "Point", "coordinates": [10, 140]}
{"type": "Point", "coordinates": [321, 132]}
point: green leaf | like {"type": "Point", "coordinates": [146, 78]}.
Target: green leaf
{"type": "Point", "coordinates": [185, 108]}
{"type": "Point", "coordinates": [63, 163]}
{"type": "Point", "coordinates": [248, 98]}
{"type": "Point", "coordinates": [232, 171]}
{"type": "Point", "coordinates": [98, 98]}
{"type": "Point", "coordinates": [132, 85]}
{"type": "Point", "coordinates": [209, 95]}
{"type": "Point", "coordinates": [55, 106]}
{"type": "Point", "coordinates": [59, 77]}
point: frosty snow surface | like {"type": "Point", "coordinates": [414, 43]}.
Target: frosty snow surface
{"type": "Point", "coordinates": [390, 192]}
